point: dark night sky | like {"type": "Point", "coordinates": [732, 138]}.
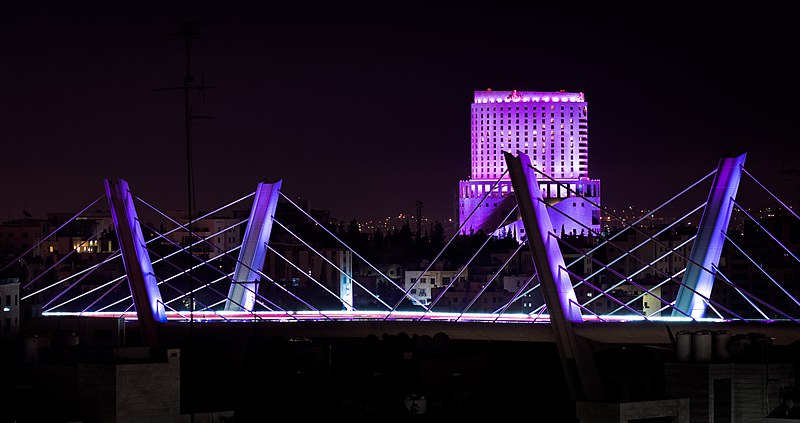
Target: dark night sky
{"type": "Point", "coordinates": [364, 109]}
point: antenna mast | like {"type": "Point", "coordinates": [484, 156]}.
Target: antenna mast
{"type": "Point", "coordinates": [188, 30]}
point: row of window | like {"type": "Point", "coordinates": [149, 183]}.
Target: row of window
{"type": "Point", "coordinates": [551, 107]}
{"type": "Point", "coordinates": [552, 117]}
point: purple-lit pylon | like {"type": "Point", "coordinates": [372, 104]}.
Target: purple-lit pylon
{"type": "Point", "coordinates": [144, 286]}
{"type": "Point", "coordinates": [698, 280]}
{"type": "Point", "coordinates": [577, 359]}
{"type": "Point", "coordinates": [242, 293]}
{"type": "Point", "coordinates": [557, 286]}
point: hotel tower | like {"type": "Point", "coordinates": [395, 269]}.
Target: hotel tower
{"type": "Point", "coordinates": [552, 129]}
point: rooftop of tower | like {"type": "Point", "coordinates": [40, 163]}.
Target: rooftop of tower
{"type": "Point", "coordinates": [514, 96]}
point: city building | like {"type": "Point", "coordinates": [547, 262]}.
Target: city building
{"type": "Point", "coordinates": [552, 129]}
{"type": "Point", "coordinates": [420, 284]}
{"type": "Point", "coordinates": [9, 297]}
{"type": "Point", "coordinates": [213, 235]}
{"type": "Point", "coordinates": [20, 235]}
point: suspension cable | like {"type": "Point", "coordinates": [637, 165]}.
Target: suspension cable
{"type": "Point", "coordinates": [191, 307]}
{"type": "Point", "coordinates": [66, 256]}
{"type": "Point", "coordinates": [405, 295]}
{"type": "Point", "coordinates": [308, 275]}
{"type": "Point", "coordinates": [717, 269]}
{"type": "Point", "coordinates": [486, 285]}
{"type": "Point", "coordinates": [688, 259]}
{"type": "Point", "coordinates": [766, 231]}
{"type": "Point", "coordinates": [656, 269]}
{"type": "Point", "coordinates": [110, 290]}
{"type": "Point", "coordinates": [465, 266]}
{"type": "Point", "coordinates": [600, 290]}
{"type": "Point", "coordinates": [105, 285]}
{"type": "Point", "coordinates": [114, 256]}
{"type": "Point", "coordinates": [331, 263]}
{"type": "Point", "coordinates": [658, 285]}
{"type": "Point", "coordinates": [761, 269]}
{"type": "Point", "coordinates": [770, 193]}
{"type": "Point", "coordinates": [116, 253]}
{"type": "Point", "coordinates": [651, 212]}
{"type": "Point", "coordinates": [340, 241]}
{"type": "Point", "coordinates": [206, 262]}
{"type": "Point", "coordinates": [205, 239]}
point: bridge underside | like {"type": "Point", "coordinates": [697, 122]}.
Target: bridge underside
{"type": "Point", "coordinates": [657, 333]}
{"type": "Point", "coordinates": [602, 333]}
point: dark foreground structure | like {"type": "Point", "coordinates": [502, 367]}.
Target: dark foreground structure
{"type": "Point", "coordinates": [99, 370]}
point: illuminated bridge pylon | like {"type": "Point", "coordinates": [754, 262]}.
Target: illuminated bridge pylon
{"type": "Point", "coordinates": [289, 263]}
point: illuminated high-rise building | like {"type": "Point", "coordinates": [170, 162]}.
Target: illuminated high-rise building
{"type": "Point", "coordinates": [552, 129]}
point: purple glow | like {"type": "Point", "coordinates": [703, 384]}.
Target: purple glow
{"type": "Point", "coordinates": [555, 138]}
{"type": "Point", "coordinates": [141, 278]}
{"type": "Point", "coordinates": [490, 96]}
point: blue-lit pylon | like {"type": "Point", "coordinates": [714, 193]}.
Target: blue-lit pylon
{"type": "Point", "coordinates": [138, 267]}
{"type": "Point", "coordinates": [576, 356]}
{"type": "Point", "coordinates": [242, 294]}
{"type": "Point", "coordinates": [698, 280]}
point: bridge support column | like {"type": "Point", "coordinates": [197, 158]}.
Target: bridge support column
{"type": "Point", "coordinates": [707, 247]}
{"type": "Point", "coordinates": [346, 278]}
{"type": "Point", "coordinates": [576, 355]}
{"type": "Point", "coordinates": [138, 267]}
{"type": "Point", "coordinates": [242, 293]}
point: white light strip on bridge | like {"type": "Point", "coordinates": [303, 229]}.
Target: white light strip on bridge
{"type": "Point", "coordinates": [342, 315]}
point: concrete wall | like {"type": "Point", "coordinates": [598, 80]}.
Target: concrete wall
{"type": "Point", "coordinates": [754, 388]}
{"type": "Point", "coordinates": [149, 392]}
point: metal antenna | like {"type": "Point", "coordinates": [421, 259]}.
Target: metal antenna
{"type": "Point", "coordinates": [189, 31]}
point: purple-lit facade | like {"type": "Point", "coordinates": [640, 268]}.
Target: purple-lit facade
{"type": "Point", "coordinates": [549, 127]}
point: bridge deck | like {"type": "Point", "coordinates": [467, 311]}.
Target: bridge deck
{"type": "Point", "coordinates": [638, 333]}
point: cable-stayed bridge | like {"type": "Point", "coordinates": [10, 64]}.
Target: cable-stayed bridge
{"type": "Point", "coordinates": [636, 284]}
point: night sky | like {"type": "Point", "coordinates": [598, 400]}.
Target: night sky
{"type": "Point", "coordinates": [364, 109]}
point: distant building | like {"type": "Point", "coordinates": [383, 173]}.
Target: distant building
{"type": "Point", "coordinates": [213, 236]}
{"type": "Point", "coordinates": [552, 129]}
{"type": "Point", "coordinates": [18, 236]}
{"type": "Point", "coordinates": [9, 313]}
{"type": "Point", "coordinates": [421, 286]}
